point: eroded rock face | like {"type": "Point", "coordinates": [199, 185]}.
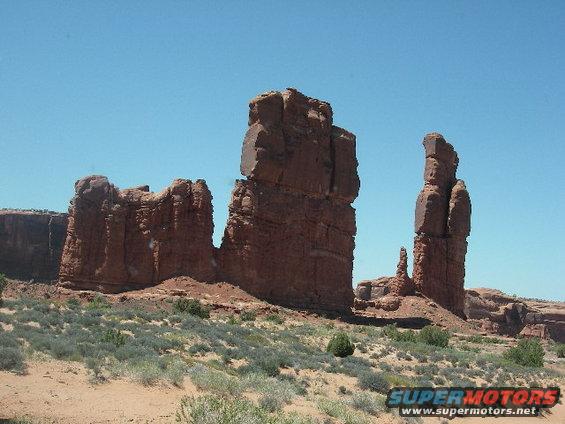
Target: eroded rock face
{"type": "Point", "coordinates": [31, 243]}
{"type": "Point", "coordinates": [399, 285]}
{"type": "Point", "coordinates": [503, 314]}
{"type": "Point", "coordinates": [442, 224]}
{"type": "Point", "coordinates": [125, 239]}
{"type": "Point", "coordinates": [290, 233]}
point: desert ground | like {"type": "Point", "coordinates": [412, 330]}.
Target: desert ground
{"type": "Point", "coordinates": [157, 356]}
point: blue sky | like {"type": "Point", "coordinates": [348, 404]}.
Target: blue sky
{"type": "Point", "coordinates": [145, 92]}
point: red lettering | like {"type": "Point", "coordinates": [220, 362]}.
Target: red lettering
{"type": "Point", "coordinates": [535, 397]}
{"type": "Point", "coordinates": [505, 396]}
{"type": "Point", "coordinates": [490, 397]}
{"type": "Point", "coordinates": [520, 397]}
{"type": "Point", "coordinates": [550, 397]}
{"type": "Point", "coordinates": [473, 397]}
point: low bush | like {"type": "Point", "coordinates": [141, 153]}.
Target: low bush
{"type": "Point", "coordinates": [528, 352]}
{"type": "Point", "coordinates": [369, 380]}
{"type": "Point", "coordinates": [218, 410]}
{"type": "Point", "coordinates": [214, 381]}
{"type": "Point", "coordinates": [275, 319]}
{"type": "Point", "coordinates": [340, 345]}
{"type": "Point", "coordinates": [64, 349]}
{"type": "Point", "coordinates": [98, 302]}
{"type": "Point", "coordinates": [3, 284]}
{"type": "Point", "coordinates": [11, 359]}
{"type": "Point", "coordinates": [270, 403]}
{"type": "Point", "coordinates": [338, 409]}
{"type": "Point", "coordinates": [368, 403]}
{"type": "Point", "coordinates": [116, 337]}
{"type": "Point", "coordinates": [560, 350]}
{"type": "Point", "coordinates": [392, 332]}
{"type": "Point", "coordinates": [434, 336]}
{"type": "Point", "coordinates": [192, 307]}
{"type": "Point", "coordinates": [248, 315]}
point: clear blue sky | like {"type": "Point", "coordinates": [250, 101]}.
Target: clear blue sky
{"type": "Point", "coordinates": [145, 92]}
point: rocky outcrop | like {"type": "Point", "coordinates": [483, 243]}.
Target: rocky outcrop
{"type": "Point", "coordinates": [384, 292]}
{"type": "Point", "coordinates": [442, 224]}
{"type": "Point", "coordinates": [290, 232]}
{"type": "Point", "coordinates": [399, 285]}
{"type": "Point", "coordinates": [31, 243]}
{"type": "Point", "coordinates": [500, 313]}
{"type": "Point", "coordinates": [126, 239]}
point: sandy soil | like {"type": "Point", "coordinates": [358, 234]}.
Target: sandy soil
{"type": "Point", "coordinates": [60, 392]}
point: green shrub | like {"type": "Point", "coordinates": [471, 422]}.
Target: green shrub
{"type": "Point", "coordinates": [528, 352]}
{"type": "Point", "coordinates": [560, 350]}
{"type": "Point", "coordinates": [368, 403]}
{"type": "Point", "coordinates": [268, 365]}
{"type": "Point", "coordinates": [369, 380]}
{"type": "Point", "coordinates": [392, 332]}
{"type": "Point", "coordinates": [11, 359]}
{"type": "Point", "coordinates": [434, 336]}
{"type": "Point", "coordinates": [64, 349]}
{"type": "Point", "coordinates": [340, 345]}
{"type": "Point", "coordinates": [3, 284]}
{"type": "Point", "coordinates": [338, 409]}
{"type": "Point", "coordinates": [248, 315]}
{"type": "Point", "coordinates": [116, 337]}
{"type": "Point", "coordinates": [270, 403]}
{"type": "Point", "coordinates": [95, 365]}
{"type": "Point", "coordinates": [192, 307]}
{"type": "Point", "coordinates": [214, 381]}
{"type": "Point", "coordinates": [275, 318]}
{"type": "Point", "coordinates": [8, 340]}
{"type": "Point", "coordinates": [73, 303]}
{"type": "Point", "coordinates": [217, 410]}
{"type": "Point", "coordinates": [98, 302]}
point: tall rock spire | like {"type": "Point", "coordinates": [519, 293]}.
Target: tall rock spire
{"type": "Point", "coordinates": [442, 224]}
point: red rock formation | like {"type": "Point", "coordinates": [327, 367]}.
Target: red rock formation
{"type": "Point", "coordinates": [31, 243]}
{"type": "Point", "coordinates": [442, 224]}
{"type": "Point", "coordinates": [510, 315]}
{"type": "Point", "coordinates": [120, 240]}
{"type": "Point", "coordinates": [290, 233]}
{"type": "Point", "coordinates": [399, 285]}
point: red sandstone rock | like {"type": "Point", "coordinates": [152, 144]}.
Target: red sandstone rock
{"type": "Point", "coordinates": [442, 224]}
{"type": "Point", "coordinates": [399, 285]}
{"type": "Point", "coordinates": [120, 240]}
{"type": "Point", "coordinates": [535, 330]}
{"type": "Point", "coordinates": [31, 243]}
{"type": "Point", "coordinates": [290, 233]}
{"type": "Point", "coordinates": [511, 315]}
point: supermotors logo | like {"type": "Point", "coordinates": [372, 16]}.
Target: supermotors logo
{"type": "Point", "coordinates": [471, 401]}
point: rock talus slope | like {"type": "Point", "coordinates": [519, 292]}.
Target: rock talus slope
{"type": "Point", "coordinates": [442, 224]}
{"type": "Point", "coordinates": [126, 239]}
{"type": "Point", "coordinates": [290, 232]}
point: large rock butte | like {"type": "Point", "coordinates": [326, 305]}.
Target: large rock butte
{"type": "Point", "coordinates": [290, 232]}
{"type": "Point", "coordinates": [442, 224]}
{"type": "Point", "coordinates": [31, 243]}
{"type": "Point", "coordinates": [126, 239]}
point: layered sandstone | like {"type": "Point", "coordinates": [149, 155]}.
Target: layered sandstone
{"type": "Point", "coordinates": [31, 243]}
{"type": "Point", "coordinates": [442, 224]}
{"type": "Point", "coordinates": [125, 239]}
{"type": "Point", "coordinates": [290, 232]}
{"type": "Point", "coordinates": [500, 313]}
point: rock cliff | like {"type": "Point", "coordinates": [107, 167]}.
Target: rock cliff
{"type": "Point", "coordinates": [126, 239]}
{"type": "Point", "coordinates": [290, 232]}
{"type": "Point", "coordinates": [31, 243]}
